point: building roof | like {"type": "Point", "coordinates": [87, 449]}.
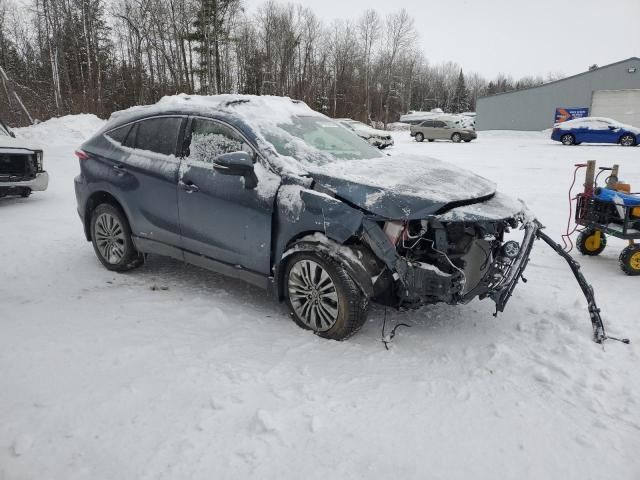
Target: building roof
{"type": "Point", "coordinates": [563, 79]}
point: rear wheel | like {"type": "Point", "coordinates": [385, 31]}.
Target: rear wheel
{"type": "Point", "coordinates": [568, 139]}
{"type": "Point", "coordinates": [420, 137]}
{"type": "Point", "coordinates": [432, 139]}
{"type": "Point", "coordinates": [111, 238]}
{"type": "Point", "coordinates": [630, 260]}
{"type": "Point", "coordinates": [323, 297]}
{"type": "Point", "coordinates": [591, 242]}
{"type": "Point", "coordinates": [456, 138]}
{"type": "Point", "coordinates": [627, 141]}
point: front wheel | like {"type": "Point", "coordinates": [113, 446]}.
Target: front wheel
{"type": "Point", "coordinates": [111, 238]}
{"type": "Point", "coordinates": [568, 139]}
{"type": "Point", "coordinates": [323, 297]}
{"type": "Point", "coordinates": [419, 137]}
{"type": "Point", "coordinates": [456, 138]}
{"type": "Point", "coordinates": [591, 242]}
{"type": "Point", "coordinates": [630, 260]}
{"type": "Point", "coordinates": [627, 141]}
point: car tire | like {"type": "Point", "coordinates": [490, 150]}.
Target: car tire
{"type": "Point", "coordinates": [568, 139]}
{"type": "Point", "coordinates": [630, 260]}
{"type": "Point", "coordinates": [468, 141]}
{"type": "Point", "coordinates": [111, 239]}
{"type": "Point", "coordinates": [432, 140]}
{"type": "Point", "coordinates": [26, 193]}
{"type": "Point", "coordinates": [322, 297]}
{"type": "Point", "coordinates": [456, 138]}
{"type": "Point", "coordinates": [419, 137]}
{"type": "Point", "coordinates": [627, 141]}
{"type": "Point", "coordinates": [586, 243]}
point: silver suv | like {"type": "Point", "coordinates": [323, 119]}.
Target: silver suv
{"type": "Point", "coordinates": [441, 129]}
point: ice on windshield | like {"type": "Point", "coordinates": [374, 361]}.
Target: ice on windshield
{"type": "Point", "coordinates": [322, 141]}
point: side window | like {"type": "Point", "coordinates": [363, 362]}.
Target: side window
{"type": "Point", "coordinates": [209, 139]}
{"type": "Point", "coordinates": [427, 123]}
{"type": "Point", "coordinates": [119, 134]}
{"type": "Point", "coordinates": [159, 135]}
{"type": "Point", "coordinates": [439, 124]}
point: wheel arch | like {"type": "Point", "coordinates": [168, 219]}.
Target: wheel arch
{"type": "Point", "coordinates": [95, 199]}
{"type": "Point", "coordinates": [356, 258]}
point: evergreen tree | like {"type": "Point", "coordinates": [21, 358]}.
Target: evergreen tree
{"type": "Point", "coordinates": [460, 101]}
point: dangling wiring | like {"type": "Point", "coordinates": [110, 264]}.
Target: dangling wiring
{"type": "Point", "coordinates": [566, 237]}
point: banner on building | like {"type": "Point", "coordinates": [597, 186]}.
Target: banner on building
{"type": "Point", "coordinates": [564, 114]}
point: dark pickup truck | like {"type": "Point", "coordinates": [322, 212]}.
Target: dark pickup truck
{"type": "Point", "coordinates": [21, 170]}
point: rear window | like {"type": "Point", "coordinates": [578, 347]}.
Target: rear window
{"type": "Point", "coordinates": [119, 134]}
{"type": "Point", "coordinates": [159, 135]}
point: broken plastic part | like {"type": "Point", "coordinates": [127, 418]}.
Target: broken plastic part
{"type": "Point", "coordinates": [599, 334]}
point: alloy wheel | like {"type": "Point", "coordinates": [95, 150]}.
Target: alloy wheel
{"type": "Point", "coordinates": [627, 141]}
{"type": "Point", "coordinates": [110, 238]}
{"type": "Point", "coordinates": [313, 295]}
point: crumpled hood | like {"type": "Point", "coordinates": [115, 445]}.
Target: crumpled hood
{"type": "Point", "coordinates": [402, 187]}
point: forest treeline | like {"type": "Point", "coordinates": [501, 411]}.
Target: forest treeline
{"type": "Point", "coordinates": [98, 56]}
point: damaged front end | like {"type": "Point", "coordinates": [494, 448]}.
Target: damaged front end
{"type": "Point", "coordinates": [442, 260]}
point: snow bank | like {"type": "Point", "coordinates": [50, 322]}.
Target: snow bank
{"type": "Point", "coordinates": [62, 131]}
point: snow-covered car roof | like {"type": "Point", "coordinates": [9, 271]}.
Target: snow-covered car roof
{"type": "Point", "coordinates": [587, 121]}
{"type": "Point", "coordinates": [263, 115]}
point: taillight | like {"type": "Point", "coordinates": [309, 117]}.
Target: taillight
{"type": "Point", "coordinates": [393, 231]}
{"type": "Point", "coordinates": [82, 155]}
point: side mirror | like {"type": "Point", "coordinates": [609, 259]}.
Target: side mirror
{"type": "Point", "coordinates": [612, 127]}
{"type": "Point", "coordinates": [12, 134]}
{"type": "Point", "coordinates": [239, 164]}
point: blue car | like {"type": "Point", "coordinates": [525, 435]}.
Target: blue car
{"type": "Point", "coordinates": [595, 130]}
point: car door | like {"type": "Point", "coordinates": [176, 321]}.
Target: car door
{"type": "Point", "coordinates": [439, 130]}
{"type": "Point", "coordinates": [219, 217]}
{"type": "Point", "coordinates": [595, 131]}
{"type": "Point", "coordinates": [150, 177]}
{"type": "Point", "coordinates": [427, 129]}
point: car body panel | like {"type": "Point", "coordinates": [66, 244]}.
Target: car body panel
{"type": "Point", "coordinates": [594, 130]}
{"type": "Point", "coordinates": [413, 187]}
{"type": "Point", "coordinates": [442, 129]}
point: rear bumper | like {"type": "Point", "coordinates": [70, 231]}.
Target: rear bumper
{"type": "Point", "coordinates": [469, 136]}
{"type": "Point", "coordinates": [37, 184]}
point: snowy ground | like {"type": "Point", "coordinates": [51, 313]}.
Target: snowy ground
{"type": "Point", "coordinates": [175, 372]}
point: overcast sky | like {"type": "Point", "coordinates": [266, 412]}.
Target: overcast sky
{"type": "Point", "coordinates": [516, 37]}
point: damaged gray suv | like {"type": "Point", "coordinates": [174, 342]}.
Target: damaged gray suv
{"type": "Point", "coordinates": [267, 190]}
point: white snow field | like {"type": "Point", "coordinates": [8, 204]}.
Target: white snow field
{"type": "Point", "coordinates": [173, 372]}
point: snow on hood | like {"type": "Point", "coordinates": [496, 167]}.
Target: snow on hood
{"type": "Point", "coordinates": [401, 187]}
{"type": "Point", "coordinates": [7, 142]}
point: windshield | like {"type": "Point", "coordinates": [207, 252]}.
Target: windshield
{"type": "Point", "coordinates": [319, 140]}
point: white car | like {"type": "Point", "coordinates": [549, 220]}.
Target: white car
{"type": "Point", "coordinates": [377, 138]}
{"type": "Point", "coordinates": [21, 170]}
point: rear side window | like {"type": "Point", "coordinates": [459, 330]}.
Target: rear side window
{"type": "Point", "coordinates": [427, 123]}
{"type": "Point", "coordinates": [159, 135]}
{"type": "Point", "coordinates": [439, 124]}
{"type": "Point", "coordinates": [119, 134]}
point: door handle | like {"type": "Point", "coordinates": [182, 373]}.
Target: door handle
{"type": "Point", "coordinates": [189, 187]}
{"type": "Point", "coordinates": [120, 170]}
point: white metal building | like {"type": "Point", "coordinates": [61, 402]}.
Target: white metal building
{"type": "Point", "coordinates": [611, 91]}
